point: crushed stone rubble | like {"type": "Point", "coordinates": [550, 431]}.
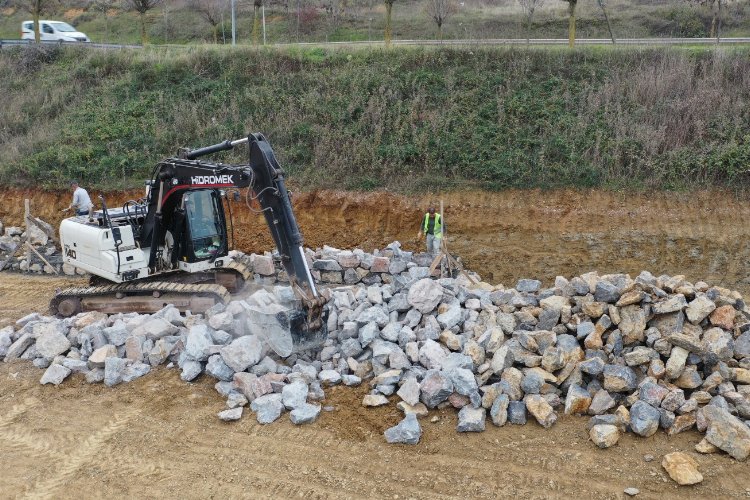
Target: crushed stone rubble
{"type": "Point", "coordinates": [14, 257]}
{"type": "Point", "coordinates": [633, 355]}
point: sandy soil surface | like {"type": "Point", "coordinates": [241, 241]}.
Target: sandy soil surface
{"type": "Point", "coordinates": [159, 436]}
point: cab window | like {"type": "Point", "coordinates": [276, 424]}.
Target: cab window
{"type": "Point", "coordinates": [205, 224]}
{"type": "Point", "coordinates": [46, 28]}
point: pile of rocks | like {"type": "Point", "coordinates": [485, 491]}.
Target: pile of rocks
{"type": "Point", "coordinates": [11, 239]}
{"type": "Point", "coordinates": [635, 355]}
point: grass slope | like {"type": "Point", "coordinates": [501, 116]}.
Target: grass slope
{"type": "Point", "coordinates": [404, 119]}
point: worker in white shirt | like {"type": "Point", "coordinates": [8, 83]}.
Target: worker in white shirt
{"type": "Point", "coordinates": [81, 203]}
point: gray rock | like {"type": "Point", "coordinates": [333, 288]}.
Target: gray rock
{"type": "Point", "coordinates": [190, 370]}
{"type": "Point", "coordinates": [431, 355]}
{"type": "Point", "coordinates": [450, 317]}
{"type": "Point", "coordinates": [463, 380]}
{"type": "Point", "coordinates": [716, 341]}
{"type": "Point", "coordinates": [471, 419]}
{"type": "Point", "coordinates": [230, 415]}
{"type": "Point", "coordinates": [742, 346]}
{"type": "Point", "coordinates": [517, 412]}
{"type": "Point", "coordinates": [409, 391]}
{"type": "Point", "coordinates": [727, 432]}
{"type": "Point", "coordinates": [601, 402]}
{"type": "Point", "coordinates": [374, 314]}
{"type": "Point", "coordinates": [329, 377]}
{"type": "Point", "coordinates": [619, 378]}
{"type": "Point", "coordinates": [55, 374]}
{"type": "Point", "coordinates": [632, 324]}
{"type": "Point", "coordinates": [532, 382]}
{"type": "Point", "coordinates": [435, 388]}
{"type": "Point", "coordinates": [242, 353]}
{"type": "Point", "coordinates": [699, 309]}
{"type": "Point", "coordinates": [676, 362]}
{"type": "Point", "coordinates": [644, 419]}
{"type": "Point", "coordinates": [499, 410]}
{"type": "Point", "coordinates": [408, 431]}
{"type": "Point", "coordinates": [425, 295]}
{"type": "Point", "coordinates": [234, 398]}
{"type": "Point", "coordinates": [604, 436]}
{"type": "Point", "coordinates": [18, 347]}
{"type": "Point", "coordinates": [267, 408]}
{"type": "Point", "coordinates": [134, 370]}
{"type": "Point", "coordinates": [673, 304]}
{"type": "Point", "coordinates": [653, 393]}
{"type": "Point", "coordinates": [116, 334]}
{"type": "Point", "coordinates": [52, 344]}
{"type": "Point", "coordinates": [606, 292]}
{"type": "Point", "coordinates": [528, 285]}
{"type": "Point", "coordinates": [218, 369]}
{"type": "Point", "coordinates": [592, 366]}
{"type": "Point", "coordinates": [672, 401]}
{"type": "Point", "coordinates": [351, 380]}
{"type": "Point", "coordinates": [305, 414]}
{"type": "Point", "coordinates": [95, 375]}
{"type": "Point", "coordinates": [326, 265]}
{"type": "Point", "coordinates": [294, 395]}
{"type": "Point", "coordinates": [198, 341]}
{"type": "Point", "coordinates": [631, 492]}
{"type": "Point", "coordinates": [114, 368]}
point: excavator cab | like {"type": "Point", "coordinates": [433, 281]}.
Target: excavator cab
{"type": "Point", "coordinates": [205, 226]}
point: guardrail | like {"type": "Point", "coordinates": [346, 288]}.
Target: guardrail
{"type": "Point", "coordinates": [467, 42]}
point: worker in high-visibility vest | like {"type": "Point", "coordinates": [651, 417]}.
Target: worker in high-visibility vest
{"type": "Point", "coordinates": [432, 228]}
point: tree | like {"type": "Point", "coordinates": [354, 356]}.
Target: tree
{"type": "Point", "coordinates": [210, 11]}
{"type": "Point", "coordinates": [715, 6]}
{"type": "Point", "coordinates": [528, 7]}
{"type": "Point", "coordinates": [142, 7]}
{"type": "Point", "coordinates": [36, 8]}
{"type": "Point", "coordinates": [257, 4]}
{"type": "Point", "coordinates": [603, 6]}
{"type": "Point", "coordinates": [388, 29]}
{"type": "Point", "coordinates": [571, 22]}
{"type": "Point", "coordinates": [440, 11]}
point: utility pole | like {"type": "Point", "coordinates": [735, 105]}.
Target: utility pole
{"type": "Point", "coordinates": [234, 31]}
{"type": "Point", "coordinates": [263, 15]}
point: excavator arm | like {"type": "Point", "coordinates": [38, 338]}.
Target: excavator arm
{"type": "Point", "coordinates": [265, 178]}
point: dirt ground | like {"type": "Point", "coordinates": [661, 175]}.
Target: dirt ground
{"type": "Point", "coordinates": [159, 436]}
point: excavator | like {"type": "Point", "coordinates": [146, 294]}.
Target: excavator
{"type": "Point", "coordinates": [172, 246]}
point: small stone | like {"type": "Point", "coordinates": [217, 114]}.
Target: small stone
{"type": "Point", "coordinates": [230, 415]}
{"type": "Point", "coordinates": [55, 374]}
{"type": "Point", "coordinates": [517, 412]}
{"type": "Point", "coordinates": [267, 408]}
{"type": "Point", "coordinates": [419, 409]}
{"type": "Point", "coordinates": [218, 369]}
{"type": "Point", "coordinates": [114, 368]}
{"type": "Point", "coordinates": [329, 377]}
{"type": "Point", "coordinates": [631, 492]}
{"type": "Point", "coordinates": [499, 410]}
{"type": "Point", "coordinates": [471, 419]}
{"type": "Point", "coordinates": [305, 414]}
{"type": "Point", "coordinates": [644, 419]}
{"type": "Point", "coordinates": [540, 409]}
{"type": "Point", "coordinates": [604, 436]}
{"type": "Point", "coordinates": [648, 458]}
{"type": "Point", "coordinates": [705, 447]}
{"type": "Point", "coordinates": [372, 400]}
{"type": "Point", "coordinates": [409, 391]}
{"type": "Point", "coordinates": [682, 468]}
{"type": "Point", "coordinates": [408, 431]}
{"type": "Point", "coordinates": [619, 378]}
{"type": "Point", "coordinates": [294, 395]}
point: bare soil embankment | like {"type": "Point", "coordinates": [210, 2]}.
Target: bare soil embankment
{"type": "Point", "coordinates": [511, 234]}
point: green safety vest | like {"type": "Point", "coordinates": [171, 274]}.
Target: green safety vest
{"type": "Point", "coordinates": [437, 230]}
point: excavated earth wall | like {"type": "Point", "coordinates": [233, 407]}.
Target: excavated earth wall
{"type": "Point", "coordinates": [511, 234]}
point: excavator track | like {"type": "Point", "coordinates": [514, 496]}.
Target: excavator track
{"type": "Point", "coordinates": [138, 297]}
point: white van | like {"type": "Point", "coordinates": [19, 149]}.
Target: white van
{"type": "Point", "coordinates": [56, 31]}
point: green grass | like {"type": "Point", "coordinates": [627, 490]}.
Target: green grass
{"type": "Point", "coordinates": [371, 118]}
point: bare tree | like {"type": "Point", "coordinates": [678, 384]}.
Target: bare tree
{"type": "Point", "coordinates": [603, 6]}
{"type": "Point", "coordinates": [440, 11]}
{"type": "Point", "coordinates": [257, 4]}
{"type": "Point", "coordinates": [571, 22]}
{"type": "Point", "coordinates": [36, 8]}
{"type": "Point", "coordinates": [528, 7]}
{"type": "Point", "coordinates": [142, 7]}
{"type": "Point", "coordinates": [715, 6]}
{"type": "Point", "coordinates": [388, 28]}
{"type": "Point", "coordinates": [210, 11]}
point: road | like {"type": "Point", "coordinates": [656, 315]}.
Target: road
{"type": "Point", "coordinates": [440, 43]}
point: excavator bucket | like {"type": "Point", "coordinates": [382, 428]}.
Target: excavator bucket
{"type": "Point", "coordinates": [286, 326]}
